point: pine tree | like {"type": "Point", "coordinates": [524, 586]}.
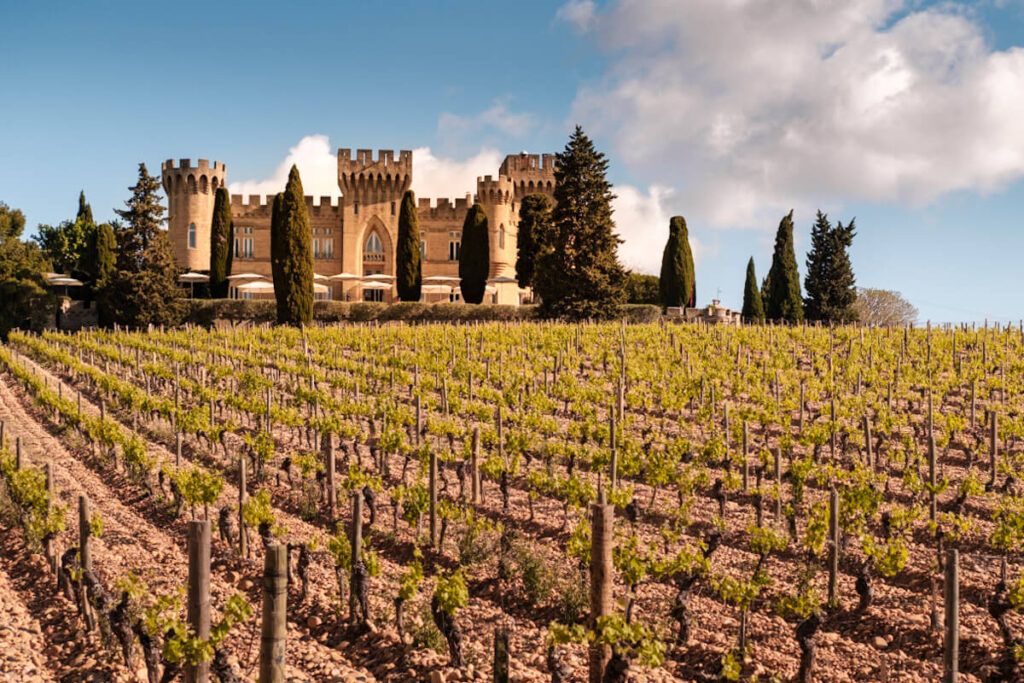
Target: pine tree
{"type": "Point", "coordinates": [84, 210]}
{"type": "Point", "coordinates": [578, 274]}
{"type": "Point", "coordinates": [105, 249]}
{"type": "Point", "coordinates": [676, 284]}
{"type": "Point", "coordinates": [222, 241]}
{"type": "Point", "coordinates": [474, 255]}
{"type": "Point", "coordinates": [784, 301]}
{"type": "Point", "coordinates": [753, 304]}
{"type": "Point", "coordinates": [291, 254]}
{"type": "Point", "coordinates": [145, 289]}
{"type": "Point", "coordinates": [534, 228]}
{"type": "Point", "coordinates": [141, 221]}
{"type": "Point", "coordinates": [830, 284]}
{"type": "Point", "coordinates": [408, 265]}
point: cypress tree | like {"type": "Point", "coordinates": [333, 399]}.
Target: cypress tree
{"type": "Point", "coordinates": [784, 301]}
{"type": "Point", "coordinates": [676, 284]}
{"type": "Point", "coordinates": [145, 288]}
{"type": "Point", "coordinates": [84, 210]}
{"type": "Point", "coordinates": [578, 274]}
{"type": "Point", "coordinates": [830, 282]}
{"type": "Point", "coordinates": [291, 254]}
{"type": "Point", "coordinates": [474, 255]}
{"type": "Point", "coordinates": [408, 266]}
{"type": "Point", "coordinates": [534, 229]}
{"type": "Point", "coordinates": [753, 305]}
{"type": "Point", "coordinates": [222, 240]}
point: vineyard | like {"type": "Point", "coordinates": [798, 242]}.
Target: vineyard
{"type": "Point", "coordinates": [516, 502]}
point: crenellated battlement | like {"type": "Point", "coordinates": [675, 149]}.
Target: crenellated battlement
{"type": "Point", "coordinates": [368, 180]}
{"type": "Point", "coordinates": [262, 205]}
{"type": "Point", "coordinates": [490, 190]}
{"type": "Point", "coordinates": [443, 209]}
{"type": "Point", "coordinates": [186, 165]}
{"type": "Point", "coordinates": [524, 163]}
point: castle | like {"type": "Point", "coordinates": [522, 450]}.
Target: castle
{"type": "Point", "coordinates": [357, 233]}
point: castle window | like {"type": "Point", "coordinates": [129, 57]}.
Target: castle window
{"type": "Point", "coordinates": [355, 208]}
{"type": "Point", "coordinates": [423, 245]}
{"type": "Point", "coordinates": [191, 182]}
{"type": "Point", "coordinates": [246, 247]}
{"type": "Point", "coordinates": [454, 245]}
{"type": "Point", "coordinates": [501, 237]}
{"type": "Point", "coordinates": [191, 235]}
{"type": "Point", "coordinates": [203, 187]}
{"type": "Point", "coordinates": [316, 247]}
{"type": "Point", "coordinates": [392, 208]}
{"type": "Point", "coordinates": [373, 250]}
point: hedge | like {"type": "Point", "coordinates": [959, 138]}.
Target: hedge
{"type": "Point", "coordinates": [205, 312]}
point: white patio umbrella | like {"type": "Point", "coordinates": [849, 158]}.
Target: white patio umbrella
{"type": "Point", "coordinates": [320, 289]}
{"type": "Point", "coordinates": [246, 276]}
{"type": "Point", "coordinates": [376, 285]}
{"type": "Point", "coordinates": [379, 277]}
{"type": "Point", "coordinates": [259, 287]}
{"type": "Point", "coordinates": [436, 279]}
{"type": "Point", "coordinates": [501, 280]}
{"type": "Point", "coordinates": [344, 276]}
{"type": "Point", "coordinates": [319, 277]}
{"type": "Point", "coordinates": [436, 289]}
{"type": "Point", "coordinates": [65, 282]}
{"type": "Point", "coordinates": [192, 279]}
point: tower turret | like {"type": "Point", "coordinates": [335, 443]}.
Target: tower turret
{"type": "Point", "coordinates": [497, 196]}
{"type": "Point", "coordinates": [190, 195]}
{"type": "Point", "coordinates": [367, 181]}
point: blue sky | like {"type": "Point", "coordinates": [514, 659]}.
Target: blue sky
{"type": "Point", "coordinates": [907, 115]}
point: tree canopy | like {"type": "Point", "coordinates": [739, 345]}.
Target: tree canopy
{"type": "Point", "coordinates": [883, 308]}
{"type": "Point", "coordinates": [578, 274]}
{"type": "Point", "coordinates": [25, 298]}
{"type": "Point", "coordinates": [474, 255]}
{"type": "Point", "coordinates": [534, 229]}
{"type": "Point", "coordinates": [408, 262]}
{"type": "Point", "coordinates": [753, 304]}
{"type": "Point", "coordinates": [830, 283]}
{"type": "Point", "coordinates": [291, 254]}
{"type": "Point", "coordinates": [222, 242]}
{"type": "Point", "coordinates": [783, 300]}
{"type": "Point", "coordinates": [677, 282]}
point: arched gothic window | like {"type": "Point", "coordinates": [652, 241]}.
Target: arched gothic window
{"type": "Point", "coordinates": [373, 244]}
{"type": "Point", "coordinates": [191, 235]}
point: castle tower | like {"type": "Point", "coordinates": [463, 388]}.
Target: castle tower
{"type": "Point", "coordinates": [530, 173]}
{"type": "Point", "coordinates": [497, 196]}
{"type": "Point", "coordinates": [373, 191]}
{"type": "Point", "coordinates": [190, 195]}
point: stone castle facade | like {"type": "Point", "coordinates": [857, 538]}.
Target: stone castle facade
{"type": "Point", "coordinates": [357, 232]}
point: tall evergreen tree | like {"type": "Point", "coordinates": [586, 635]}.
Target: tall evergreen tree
{"type": "Point", "coordinates": [84, 210]}
{"type": "Point", "coordinates": [474, 255]}
{"type": "Point", "coordinates": [26, 300]}
{"type": "Point", "coordinates": [784, 301]}
{"type": "Point", "coordinates": [145, 289]}
{"type": "Point", "coordinates": [831, 289]}
{"type": "Point", "coordinates": [534, 229]}
{"type": "Point", "coordinates": [676, 284]}
{"type": "Point", "coordinates": [578, 274]}
{"type": "Point", "coordinates": [105, 250]}
{"type": "Point", "coordinates": [408, 265]}
{"type": "Point", "coordinates": [222, 241]}
{"type": "Point", "coordinates": [753, 304]}
{"type": "Point", "coordinates": [291, 254]}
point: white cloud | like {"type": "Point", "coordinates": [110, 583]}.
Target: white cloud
{"type": "Point", "coordinates": [318, 168]}
{"type": "Point", "coordinates": [641, 220]}
{"type": "Point", "coordinates": [578, 13]}
{"type": "Point", "coordinates": [749, 108]}
{"type": "Point", "coordinates": [317, 161]}
{"type": "Point", "coordinates": [435, 176]}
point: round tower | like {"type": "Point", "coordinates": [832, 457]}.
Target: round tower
{"type": "Point", "coordinates": [190, 196]}
{"type": "Point", "coordinates": [497, 195]}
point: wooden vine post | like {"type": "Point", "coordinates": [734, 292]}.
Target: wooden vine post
{"type": "Point", "coordinates": [501, 654]}
{"type": "Point", "coordinates": [475, 468]}
{"type": "Point", "coordinates": [51, 491]}
{"type": "Point", "coordinates": [933, 502]}
{"type": "Point", "coordinates": [332, 490]}
{"type": "Point", "coordinates": [951, 641]}
{"type": "Point", "coordinates": [433, 499]}
{"type": "Point", "coordinates": [993, 448]}
{"type": "Point", "coordinates": [867, 444]}
{"type": "Point", "coordinates": [199, 593]}
{"type": "Point", "coordinates": [833, 549]}
{"type": "Point", "coordinates": [746, 463]}
{"type": "Point", "coordinates": [17, 453]}
{"type": "Point", "coordinates": [614, 474]}
{"type": "Point", "coordinates": [243, 541]}
{"type": "Point", "coordinates": [419, 420]}
{"type": "Point", "coordinates": [274, 629]}
{"type": "Point", "coordinates": [357, 550]}
{"type": "Point", "coordinates": [601, 575]}
{"type": "Point", "coordinates": [778, 485]}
